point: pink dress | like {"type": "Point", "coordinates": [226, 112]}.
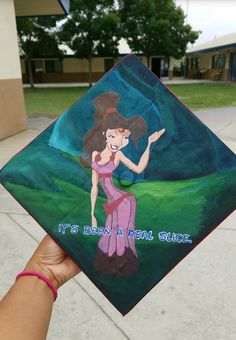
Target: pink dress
{"type": "Point", "coordinates": [116, 255]}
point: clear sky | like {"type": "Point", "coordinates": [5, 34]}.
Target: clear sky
{"type": "Point", "coordinates": [213, 17]}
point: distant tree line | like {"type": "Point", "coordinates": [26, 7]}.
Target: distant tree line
{"type": "Point", "coordinates": [95, 27]}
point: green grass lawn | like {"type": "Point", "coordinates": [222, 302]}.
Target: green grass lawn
{"type": "Point", "coordinates": [54, 101]}
{"type": "Point", "coordinates": [51, 102]}
{"type": "Point", "coordinates": [204, 96]}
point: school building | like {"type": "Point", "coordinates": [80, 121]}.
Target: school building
{"type": "Point", "coordinates": [213, 60]}
{"type": "Point", "coordinates": [70, 69]}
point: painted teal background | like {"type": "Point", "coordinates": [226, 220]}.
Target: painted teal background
{"type": "Point", "coordinates": [189, 185]}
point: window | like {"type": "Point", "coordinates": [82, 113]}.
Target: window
{"type": "Point", "coordinates": [108, 63]}
{"type": "Point", "coordinates": [36, 65]}
{"type": "Point", "coordinates": [53, 66]}
{"type": "Point", "coordinates": [194, 63]}
{"type": "Point", "coordinates": [218, 61]}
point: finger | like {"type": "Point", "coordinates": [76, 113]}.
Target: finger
{"type": "Point", "coordinates": [160, 133]}
{"type": "Point", "coordinates": [48, 248]}
{"type": "Point", "coordinates": [49, 242]}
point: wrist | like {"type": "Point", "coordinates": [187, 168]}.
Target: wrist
{"type": "Point", "coordinates": [33, 266]}
{"type": "Point", "coordinates": [36, 284]}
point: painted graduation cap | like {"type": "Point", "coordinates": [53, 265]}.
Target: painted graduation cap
{"type": "Point", "coordinates": [151, 208]}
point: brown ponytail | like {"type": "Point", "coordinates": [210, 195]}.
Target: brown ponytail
{"type": "Point", "coordinates": [106, 117]}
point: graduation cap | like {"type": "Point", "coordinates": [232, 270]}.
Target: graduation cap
{"type": "Point", "coordinates": [128, 181]}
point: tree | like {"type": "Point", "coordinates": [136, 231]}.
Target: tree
{"type": "Point", "coordinates": [155, 27]}
{"type": "Point", "coordinates": [37, 38]}
{"type": "Point", "coordinates": [92, 28]}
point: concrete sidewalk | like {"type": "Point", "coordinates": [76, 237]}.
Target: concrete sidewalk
{"type": "Point", "coordinates": [196, 301]}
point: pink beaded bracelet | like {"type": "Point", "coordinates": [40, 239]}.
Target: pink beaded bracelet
{"type": "Point", "coordinates": [43, 278]}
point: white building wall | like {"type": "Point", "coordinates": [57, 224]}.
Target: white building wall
{"type": "Point", "coordinates": [9, 55]}
{"type": "Point", "coordinates": [12, 107]}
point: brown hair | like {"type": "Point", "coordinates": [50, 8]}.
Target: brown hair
{"type": "Point", "coordinates": [107, 117]}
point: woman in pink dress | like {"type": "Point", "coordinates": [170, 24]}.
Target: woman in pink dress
{"type": "Point", "coordinates": [116, 254]}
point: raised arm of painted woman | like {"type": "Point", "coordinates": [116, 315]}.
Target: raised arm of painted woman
{"type": "Point", "coordinates": [26, 309]}
{"type": "Point", "coordinates": [143, 162]}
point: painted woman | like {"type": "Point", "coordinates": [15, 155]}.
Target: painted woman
{"type": "Point", "coordinates": [116, 255]}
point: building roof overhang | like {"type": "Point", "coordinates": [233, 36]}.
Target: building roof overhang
{"type": "Point", "coordinates": [41, 7]}
{"type": "Point", "coordinates": [218, 44]}
{"type": "Point", "coordinates": [212, 49]}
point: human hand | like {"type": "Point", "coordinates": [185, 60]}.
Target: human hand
{"type": "Point", "coordinates": [155, 136]}
{"type": "Point", "coordinates": [52, 261]}
{"type": "Point", "coordinates": [94, 221]}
